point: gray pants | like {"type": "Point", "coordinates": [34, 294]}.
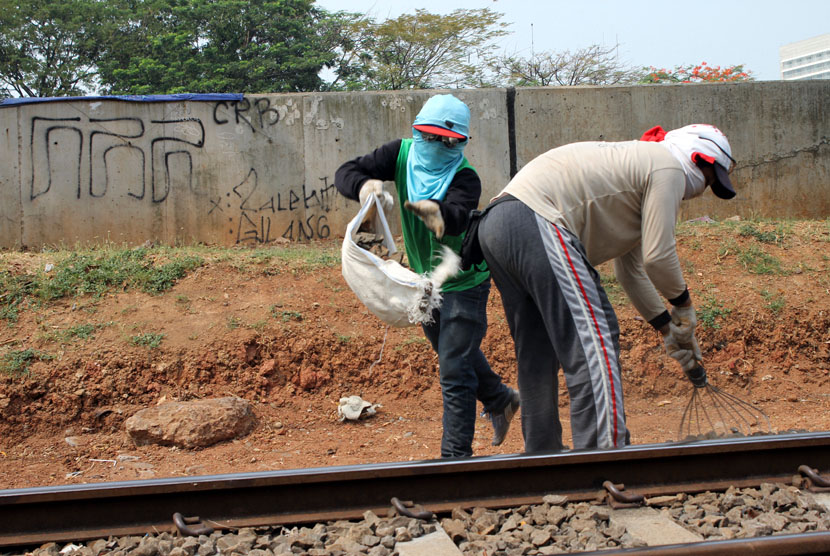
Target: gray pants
{"type": "Point", "coordinates": [558, 313]}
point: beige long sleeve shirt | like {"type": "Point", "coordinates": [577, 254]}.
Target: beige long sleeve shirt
{"type": "Point", "coordinates": [621, 200]}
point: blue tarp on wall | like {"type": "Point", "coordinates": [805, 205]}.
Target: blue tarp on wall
{"type": "Point", "coordinates": [128, 98]}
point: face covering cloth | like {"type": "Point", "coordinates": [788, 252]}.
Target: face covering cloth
{"type": "Point", "coordinates": [432, 164]}
{"type": "Point", "coordinates": [686, 145]}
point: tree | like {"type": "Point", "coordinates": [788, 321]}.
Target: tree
{"type": "Point", "coordinates": [423, 50]}
{"type": "Point", "coordinates": [592, 65]}
{"type": "Point", "coordinates": [350, 39]}
{"type": "Point", "coordinates": [262, 45]}
{"type": "Point", "coordinates": [150, 47]}
{"type": "Point", "coordinates": [701, 73]}
{"type": "Point", "coordinates": [175, 46]}
{"type": "Point", "coordinates": [48, 47]}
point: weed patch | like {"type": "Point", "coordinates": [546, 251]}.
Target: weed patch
{"type": "Point", "coordinates": [285, 316]}
{"type": "Point", "coordinates": [96, 274]}
{"type": "Point", "coordinates": [750, 229]}
{"type": "Point", "coordinates": [711, 310]}
{"type": "Point", "coordinates": [92, 273]}
{"type": "Point", "coordinates": [148, 339]}
{"type": "Point", "coordinates": [76, 332]}
{"type": "Point", "coordinates": [411, 341]}
{"type": "Point", "coordinates": [756, 261]}
{"type": "Point", "coordinates": [16, 363]}
{"type": "Point", "coordinates": [775, 302]}
{"type": "Point", "coordinates": [15, 289]}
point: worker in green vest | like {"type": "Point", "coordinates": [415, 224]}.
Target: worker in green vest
{"type": "Point", "coordinates": [437, 188]}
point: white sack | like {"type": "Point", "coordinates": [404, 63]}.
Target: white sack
{"type": "Point", "coordinates": [396, 295]}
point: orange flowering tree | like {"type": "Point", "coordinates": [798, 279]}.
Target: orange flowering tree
{"type": "Point", "coordinates": [700, 73]}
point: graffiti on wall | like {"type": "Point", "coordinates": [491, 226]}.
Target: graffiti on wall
{"type": "Point", "coordinates": [301, 211]}
{"type": "Point", "coordinates": [80, 157]}
{"type": "Point", "coordinates": [93, 156]}
{"type": "Point", "coordinates": [258, 211]}
{"type": "Point", "coordinates": [256, 115]}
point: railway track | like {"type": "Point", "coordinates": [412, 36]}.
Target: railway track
{"type": "Point", "coordinates": [78, 512]}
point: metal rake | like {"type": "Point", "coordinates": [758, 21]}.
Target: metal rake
{"type": "Point", "coordinates": [713, 413]}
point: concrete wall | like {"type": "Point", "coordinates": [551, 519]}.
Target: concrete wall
{"type": "Point", "coordinates": [261, 169]}
{"type": "Point", "coordinates": [779, 133]}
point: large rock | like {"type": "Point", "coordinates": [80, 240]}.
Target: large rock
{"type": "Point", "coordinates": [193, 424]}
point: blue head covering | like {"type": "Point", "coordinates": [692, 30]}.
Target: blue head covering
{"type": "Point", "coordinates": [432, 165]}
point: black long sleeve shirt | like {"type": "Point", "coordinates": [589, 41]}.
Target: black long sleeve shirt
{"type": "Point", "coordinates": [462, 196]}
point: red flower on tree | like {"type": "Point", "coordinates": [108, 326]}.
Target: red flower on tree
{"type": "Point", "coordinates": [701, 73]}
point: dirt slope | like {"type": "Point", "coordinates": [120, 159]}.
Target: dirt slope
{"type": "Point", "coordinates": [280, 328]}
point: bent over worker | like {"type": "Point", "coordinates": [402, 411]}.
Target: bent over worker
{"type": "Point", "coordinates": [565, 212]}
{"type": "Point", "coordinates": [438, 188]}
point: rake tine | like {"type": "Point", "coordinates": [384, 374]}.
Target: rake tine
{"type": "Point", "coordinates": [723, 410]}
{"type": "Point", "coordinates": [737, 419]}
{"type": "Point", "coordinates": [691, 408]}
{"type": "Point", "coordinates": [753, 411]}
{"type": "Point", "coordinates": [712, 425]}
{"type": "Point", "coordinates": [724, 414]}
{"type": "Point", "coordinates": [683, 419]}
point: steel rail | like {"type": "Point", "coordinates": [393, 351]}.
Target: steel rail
{"type": "Point", "coordinates": [775, 545]}
{"type": "Point", "coordinates": [77, 512]}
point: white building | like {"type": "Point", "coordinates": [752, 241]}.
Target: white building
{"type": "Point", "coordinates": [807, 59]}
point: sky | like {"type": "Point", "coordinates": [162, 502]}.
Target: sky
{"type": "Point", "coordinates": [664, 34]}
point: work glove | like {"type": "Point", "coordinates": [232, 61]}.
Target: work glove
{"type": "Point", "coordinates": [689, 357]}
{"type": "Point", "coordinates": [683, 322]}
{"type": "Point", "coordinates": [430, 213]}
{"type": "Point", "coordinates": [375, 186]}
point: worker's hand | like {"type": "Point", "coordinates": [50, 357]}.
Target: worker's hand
{"type": "Point", "coordinates": [683, 322]}
{"type": "Point", "coordinates": [687, 354]}
{"type": "Point", "coordinates": [375, 186]}
{"type": "Point", "coordinates": [430, 213]}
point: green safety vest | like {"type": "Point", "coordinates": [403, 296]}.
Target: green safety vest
{"type": "Point", "coordinates": [423, 249]}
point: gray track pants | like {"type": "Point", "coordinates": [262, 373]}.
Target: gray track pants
{"type": "Point", "coordinates": [558, 313]}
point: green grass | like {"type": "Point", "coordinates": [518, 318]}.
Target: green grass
{"type": "Point", "coordinates": [97, 273]}
{"type": "Point", "coordinates": [285, 316]}
{"type": "Point", "coordinates": [776, 236]}
{"type": "Point", "coordinates": [262, 256]}
{"type": "Point", "coordinates": [81, 331]}
{"type": "Point", "coordinates": [756, 261]}
{"type": "Point", "coordinates": [16, 363]}
{"type": "Point", "coordinates": [15, 291]}
{"type": "Point", "coordinates": [307, 258]}
{"type": "Point", "coordinates": [710, 312]}
{"type": "Point", "coordinates": [691, 228]}
{"type": "Point", "coordinates": [825, 234]}
{"type": "Point", "coordinates": [147, 339]}
{"type": "Point", "coordinates": [153, 270]}
{"type": "Point", "coordinates": [727, 247]}
{"type": "Point", "coordinates": [775, 302]}
{"type": "Point", "coordinates": [73, 333]}
{"type": "Point", "coordinates": [412, 340]}
{"type": "Point", "coordinates": [94, 272]}
{"type": "Point", "coordinates": [274, 260]}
